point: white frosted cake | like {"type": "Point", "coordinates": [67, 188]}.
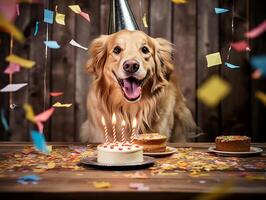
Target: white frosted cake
{"type": "Point", "coordinates": [119, 153]}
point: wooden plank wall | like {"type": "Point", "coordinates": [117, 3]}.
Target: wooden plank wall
{"type": "Point", "coordinates": [193, 28]}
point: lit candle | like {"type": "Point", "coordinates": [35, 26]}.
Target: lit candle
{"type": "Point", "coordinates": [134, 125]}
{"type": "Point", "coordinates": [123, 131]}
{"type": "Point", "coordinates": [114, 131]}
{"type": "Point", "coordinates": [105, 131]}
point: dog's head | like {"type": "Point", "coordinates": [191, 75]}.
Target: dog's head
{"type": "Point", "coordinates": [133, 60]}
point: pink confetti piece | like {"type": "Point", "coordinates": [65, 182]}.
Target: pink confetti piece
{"type": "Point", "coordinates": [240, 46]}
{"type": "Point", "coordinates": [17, 9]}
{"type": "Point", "coordinates": [85, 15]}
{"type": "Point", "coordinates": [56, 94]}
{"type": "Point", "coordinates": [12, 68]}
{"type": "Point", "coordinates": [135, 185]}
{"type": "Point", "coordinates": [258, 30]}
{"type": "Point", "coordinates": [43, 117]}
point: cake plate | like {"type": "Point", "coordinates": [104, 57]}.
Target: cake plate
{"type": "Point", "coordinates": [92, 162]}
{"type": "Point", "coordinates": [169, 151]}
{"type": "Point", "coordinates": [253, 151]}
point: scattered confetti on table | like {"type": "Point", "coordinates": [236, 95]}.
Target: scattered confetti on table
{"type": "Point", "coordinates": [101, 184]}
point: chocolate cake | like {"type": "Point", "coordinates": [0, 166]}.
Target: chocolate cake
{"type": "Point", "coordinates": [233, 143]}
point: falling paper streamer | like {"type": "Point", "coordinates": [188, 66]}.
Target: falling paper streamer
{"type": "Point", "coordinates": [10, 28]}
{"type": "Point", "coordinates": [259, 62]}
{"type": "Point", "coordinates": [56, 94]}
{"type": "Point", "coordinates": [48, 16]}
{"type": "Point", "coordinates": [144, 20]}
{"type": "Point", "coordinates": [43, 117]}
{"type": "Point", "coordinates": [12, 68]}
{"type": "Point", "coordinates": [13, 87]}
{"type": "Point", "coordinates": [3, 120]}
{"type": "Point", "coordinates": [52, 44]}
{"type": "Point", "coordinates": [231, 65]}
{"type": "Point", "coordinates": [39, 141]}
{"type": "Point", "coordinates": [75, 8]}
{"type": "Point", "coordinates": [179, 1]}
{"type": "Point", "coordinates": [60, 105]}
{"type": "Point", "coordinates": [240, 46]}
{"type": "Point", "coordinates": [261, 96]}
{"type": "Point", "coordinates": [29, 112]}
{"type": "Point", "coordinates": [74, 43]}
{"type": "Point", "coordinates": [220, 10]}
{"type": "Point", "coordinates": [21, 61]}
{"type": "Point", "coordinates": [60, 18]}
{"type": "Point", "coordinates": [213, 91]}
{"type": "Point", "coordinates": [36, 28]}
{"type": "Point", "coordinates": [257, 31]}
{"type": "Point", "coordinates": [85, 15]}
{"type": "Point", "coordinates": [213, 59]}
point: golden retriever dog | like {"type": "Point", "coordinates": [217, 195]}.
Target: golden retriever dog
{"type": "Point", "coordinates": [134, 78]}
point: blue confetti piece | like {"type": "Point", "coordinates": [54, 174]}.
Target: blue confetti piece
{"type": "Point", "coordinates": [36, 28]}
{"type": "Point", "coordinates": [220, 10]}
{"type": "Point", "coordinates": [52, 44]}
{"type": "Point", "coordinates": [3, 120]}
{"type": "Point", "coordinates": [48, 16]}
{"type": "Point", "coordinates": [259, 62]}
{"type": "Point", "coordinates": [231, 65]}
{"type": "Point", "coordinates": [33, 179]}
{"type": "Point", "coordinates": [39, 141]}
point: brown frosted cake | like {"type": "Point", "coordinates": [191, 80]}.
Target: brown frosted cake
{"type": "Point", "coordinates": [233, 143]}
{"type": "Point", "coordinates": [151, 142]}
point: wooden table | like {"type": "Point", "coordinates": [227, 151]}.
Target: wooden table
{"type": "Point", "coordinates": [69, 184]}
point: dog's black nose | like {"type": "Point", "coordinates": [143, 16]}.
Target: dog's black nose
{"type": "Point", "coordinates": [131, 66]}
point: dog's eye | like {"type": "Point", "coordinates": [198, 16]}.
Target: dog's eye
{"type": "Point", "coordinates": [145, 50]}
{"type": "Point", "coordinates": [117, 50]}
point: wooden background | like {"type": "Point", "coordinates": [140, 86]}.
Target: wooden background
{"type": "Point", "coordinates": [195, 30]}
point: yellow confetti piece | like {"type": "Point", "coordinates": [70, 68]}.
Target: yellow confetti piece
{"type": "Point", "coordinates": [101, 184]}
{"type": "Point", "coordinates": [144, 20]}
{"type": "Point", "coordinates": [9, 27]}
{"type": "Point", "coordinates": [51, 165]}
{"type": "Point", "coordinates": [75, 8]}
{"type": "Point", "coordinates": [261, 96]}
{"type": "Point", "coordinates": [214, 59]}
{"type": "Point", "coordinates": [179, 1]}
{"type": "Point", "coordinates": [60, 18]}
{"type": "Point", "coordinates": [60, 105]}
{"type": "Point", "coordinates": [255, 177]}
{"type": "Point", "coordinates": [21, 61]}
{"type": "Point", "coordinates": [29, 112]}
{"type": "Point", "coordinates": [213, 91]}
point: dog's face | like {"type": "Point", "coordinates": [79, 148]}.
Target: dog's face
{"type": "Point", "coordinates": [130, 59]}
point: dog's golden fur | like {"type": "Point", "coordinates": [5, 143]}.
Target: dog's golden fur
{"type": "Point", "coordinates": [161, 107]}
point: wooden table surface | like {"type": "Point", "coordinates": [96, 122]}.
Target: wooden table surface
{"type": "Point", "coordinates": [71, 184]}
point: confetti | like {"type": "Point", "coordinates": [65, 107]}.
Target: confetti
{"type": "Point", "coordinates": [29, 112]}
{"type": "Point", "coordinates": [213, 59]}
{"type": "Point", "coordinates": [231, 65]}
{"type": "Point", "coordinates": [60, 105]}
{"type": "Point", "coordinates": [48, 16]}
{"type": "Point", "coordinates": [179, 1]}
{"type": "Point", "coordinates": [256, 74]}
{"type": "Point", "coordinates": [39, 141]}
{"type": "Point", "coordinates": [52, 44]}
{"type": "Point", "coordinates": [135, 185]}
{"type": "Point", "coordinates": [257, 31]}
{"type": "Point", "coordinates": [60, 18]}
{"type": "Point", "coordinates": [51, 165]}
{"type": "Point", "coordinates": [36, 28]}
{"type": "Point", "coordinates": [261, 96]}
{"type": "Point", "coordinates": [17, 9]}
{"type": "Point", "coordinates": [12, 68]}
{"type": "Point", "coordinates": [21, 61]}
{"type": "Point", "coordinates": [56, 94]}
{"type": "Point", "coordinates": [28, 179]}
{"type": "Point", "coordinates": [4, 120]}
{"type": "Point", "coordinates": [220, 10]}
{"type": "Point", "coordinates": [43, 117]}
{"type": "Point", "coordinates": [101, 184]}
{"type": "Point", "coordinates": [240, 46]}
{"type": "Point", "coordinates": [74, 43]}
{"type": "Point", "coordinates": [259, 62]}
{"type": "Point", "coordinates": [85, 15]}
{"type": "Point", "coordinates": [13, 87]}
{"type": "Point", "coordinates": [213, 91]}
{"type": "Point", "coordinates": [144, 20]}
{"type": "Point", "coordinates": [75, 8]}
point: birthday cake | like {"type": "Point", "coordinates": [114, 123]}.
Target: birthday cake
{"type": "Point", "coordinates": [151, 142]}
{"type": "Point", "coordinates": [233, 143]}
{"type": "Point", "coordinates": [119, 153]}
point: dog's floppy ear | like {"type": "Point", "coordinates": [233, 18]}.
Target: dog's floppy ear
{"type": "Point", "coordinates": [163, 63]}
{"type": "Point", "coordinates": [98, 52]}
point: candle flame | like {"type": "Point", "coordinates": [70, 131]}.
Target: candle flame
{"type": "Point", "coordinates": [103, 121]}
{"type": "Point", "coordinates": [134, 123]}
{"type": "Point", "coordinates": [123, 123]}
{"type": "Point", "coordinates": [113, 119]}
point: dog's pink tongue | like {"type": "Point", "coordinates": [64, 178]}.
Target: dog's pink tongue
{"type": "Point", "coordinates": [131, 89]}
